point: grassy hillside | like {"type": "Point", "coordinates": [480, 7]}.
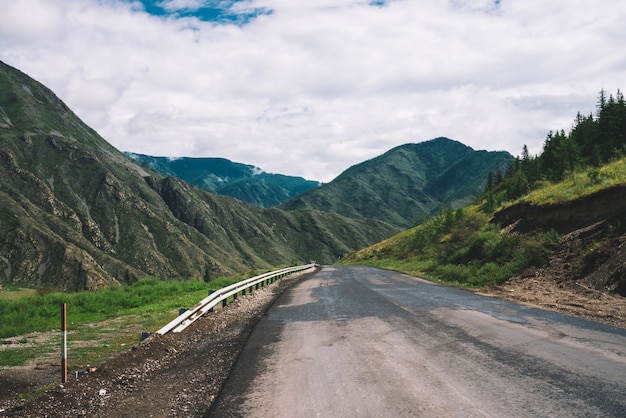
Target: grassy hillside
{"type": "Point", "coordinates": [459, 247]}
{"type": "Point", "coordinates": [578, 182]}
{"type": "Point", "coordinates": [408, 183]}
{"type": "Point", "coordinates": [468, 247]}
{"type": "Point", "coordinates": [577, 185]}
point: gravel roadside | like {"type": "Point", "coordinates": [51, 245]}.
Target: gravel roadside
{"type": "Point", "coordinates": [172, 375]}
{"type": "Point", "coordinates": [180, 375]}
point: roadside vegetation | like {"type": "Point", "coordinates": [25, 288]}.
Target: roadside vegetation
{"type": "Point", "coordinates": [462, 247]}
{"type": "Point", "coordinates": [572, 165]}
{"type": "Point", "coordinates": [459, 247]}
{"type": "Point", "coordinates": [99, 322]}
{"type": "Point", "coordinates": [577, 184]}
{"type": "Point", "coordinates": [40, 312]}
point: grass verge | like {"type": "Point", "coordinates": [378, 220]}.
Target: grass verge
{"type": "Point", "coordinates": [99, 323]}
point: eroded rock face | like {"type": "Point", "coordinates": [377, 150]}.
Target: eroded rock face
{"type": "Point", "coordinates": [607, 267]}
{"type": "Point", "coordinates": [606, 205]}
{"type": "Point", "coordinates": [592, 253]}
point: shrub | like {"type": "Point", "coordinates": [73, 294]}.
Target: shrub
{"type": "Point", "coordinates": [453, 273]}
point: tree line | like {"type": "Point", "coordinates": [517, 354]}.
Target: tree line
{"type": "Point", "coordinates": [592, 141]}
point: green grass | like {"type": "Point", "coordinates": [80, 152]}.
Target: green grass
{"type": "Point", "coordinates": [41, 312]}
{"type": "Point", "coordinates": [460, 248]}
{"type": "Point", "coordinates": [99, 323]}
{"type": "Point", "coordinates": [579, 184]}
{"type": "Point", "coordinates": [80, 356]}
{"type": "Point", "coordinates": [18, 356]}
{"type": "Point", "coordinates": [13, 292]}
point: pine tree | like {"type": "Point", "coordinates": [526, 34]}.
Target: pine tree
{"type": "Point", "coordinates": [591, 141]}
{"type": "Point", "coordinates": [601, 103]}
{"type": "Point", "coordinates": [585, 134]}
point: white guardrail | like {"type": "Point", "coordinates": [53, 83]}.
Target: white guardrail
{"type": "Point", "coordinates": [222, 295]}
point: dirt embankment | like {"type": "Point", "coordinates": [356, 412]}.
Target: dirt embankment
{"type": "Point", "coordinates": [586, 274]}
{"type": "Point", "coordinates": [605, 206]}
{"type": "Point", "coordinates": [565, 285]}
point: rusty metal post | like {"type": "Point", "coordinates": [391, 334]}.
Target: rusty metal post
{"type": "Point", "coordinates": [63, 343]}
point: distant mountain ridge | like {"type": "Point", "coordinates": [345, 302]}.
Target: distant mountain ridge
{"type": "Point", "coordinates": [408, 183]}
{"type": "Point", "coordinates": [77, 214]}
{"type": "Point", "coordinates": [222, 176]}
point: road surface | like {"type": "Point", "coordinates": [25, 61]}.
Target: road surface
{"type": "Point", "coordinates": [365, 342]}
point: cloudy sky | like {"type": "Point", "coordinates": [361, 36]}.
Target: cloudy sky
{"type": "Point", "coordinates": [311, 87]}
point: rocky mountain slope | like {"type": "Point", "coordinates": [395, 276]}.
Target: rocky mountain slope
{"type": "Point", "coordinates": [242, 181]}
{"type": "Point", "coordinates": [408, 183]}
{"type": "Point", "coordinates": [76, 213]}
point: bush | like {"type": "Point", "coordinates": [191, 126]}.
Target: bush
{"type": "Point", "coordinates": [453, 273]}
{"type": "Point", "coordinates": [462, 248]}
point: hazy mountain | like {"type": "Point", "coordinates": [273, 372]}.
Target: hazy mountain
{"type": "Point", "coordinates": [76, 213]}
{"type": "Point", "coordinates": [407, 183]}
{"type": "Point", "coordinates": [244, 182]}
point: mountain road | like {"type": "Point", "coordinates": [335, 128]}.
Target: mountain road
{"type": "Point", "coordinates": [359, 341]}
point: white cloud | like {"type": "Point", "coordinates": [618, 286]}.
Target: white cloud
{"type": "Point", "coordinates": [22, 23]}
{"type": "Point", "coordinates": [315, 87]}
{"type": "Point", "coordinates": [173, 5]}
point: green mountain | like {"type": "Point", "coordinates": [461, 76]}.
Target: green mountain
{"type": "Point", "coordinates": [76, 213]}
{"type": "Point", "coordinates": [555, 219]}
{"type": "Point", "coordinates": [408, 183]}
{"type": "Point", "coordinates": [242, 181]}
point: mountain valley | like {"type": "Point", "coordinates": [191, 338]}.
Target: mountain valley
{"type": "Point", "coordinates": [77, 214]}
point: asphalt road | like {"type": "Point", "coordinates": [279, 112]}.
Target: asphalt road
{"type": "Point", "coordinates": [364, 342]}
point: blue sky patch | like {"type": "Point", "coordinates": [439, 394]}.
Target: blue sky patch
{"type": "Point", "coordinates": [218, 11]}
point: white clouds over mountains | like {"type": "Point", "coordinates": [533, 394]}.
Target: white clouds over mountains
{"type": "Point", "coordinates": [311, 87]}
